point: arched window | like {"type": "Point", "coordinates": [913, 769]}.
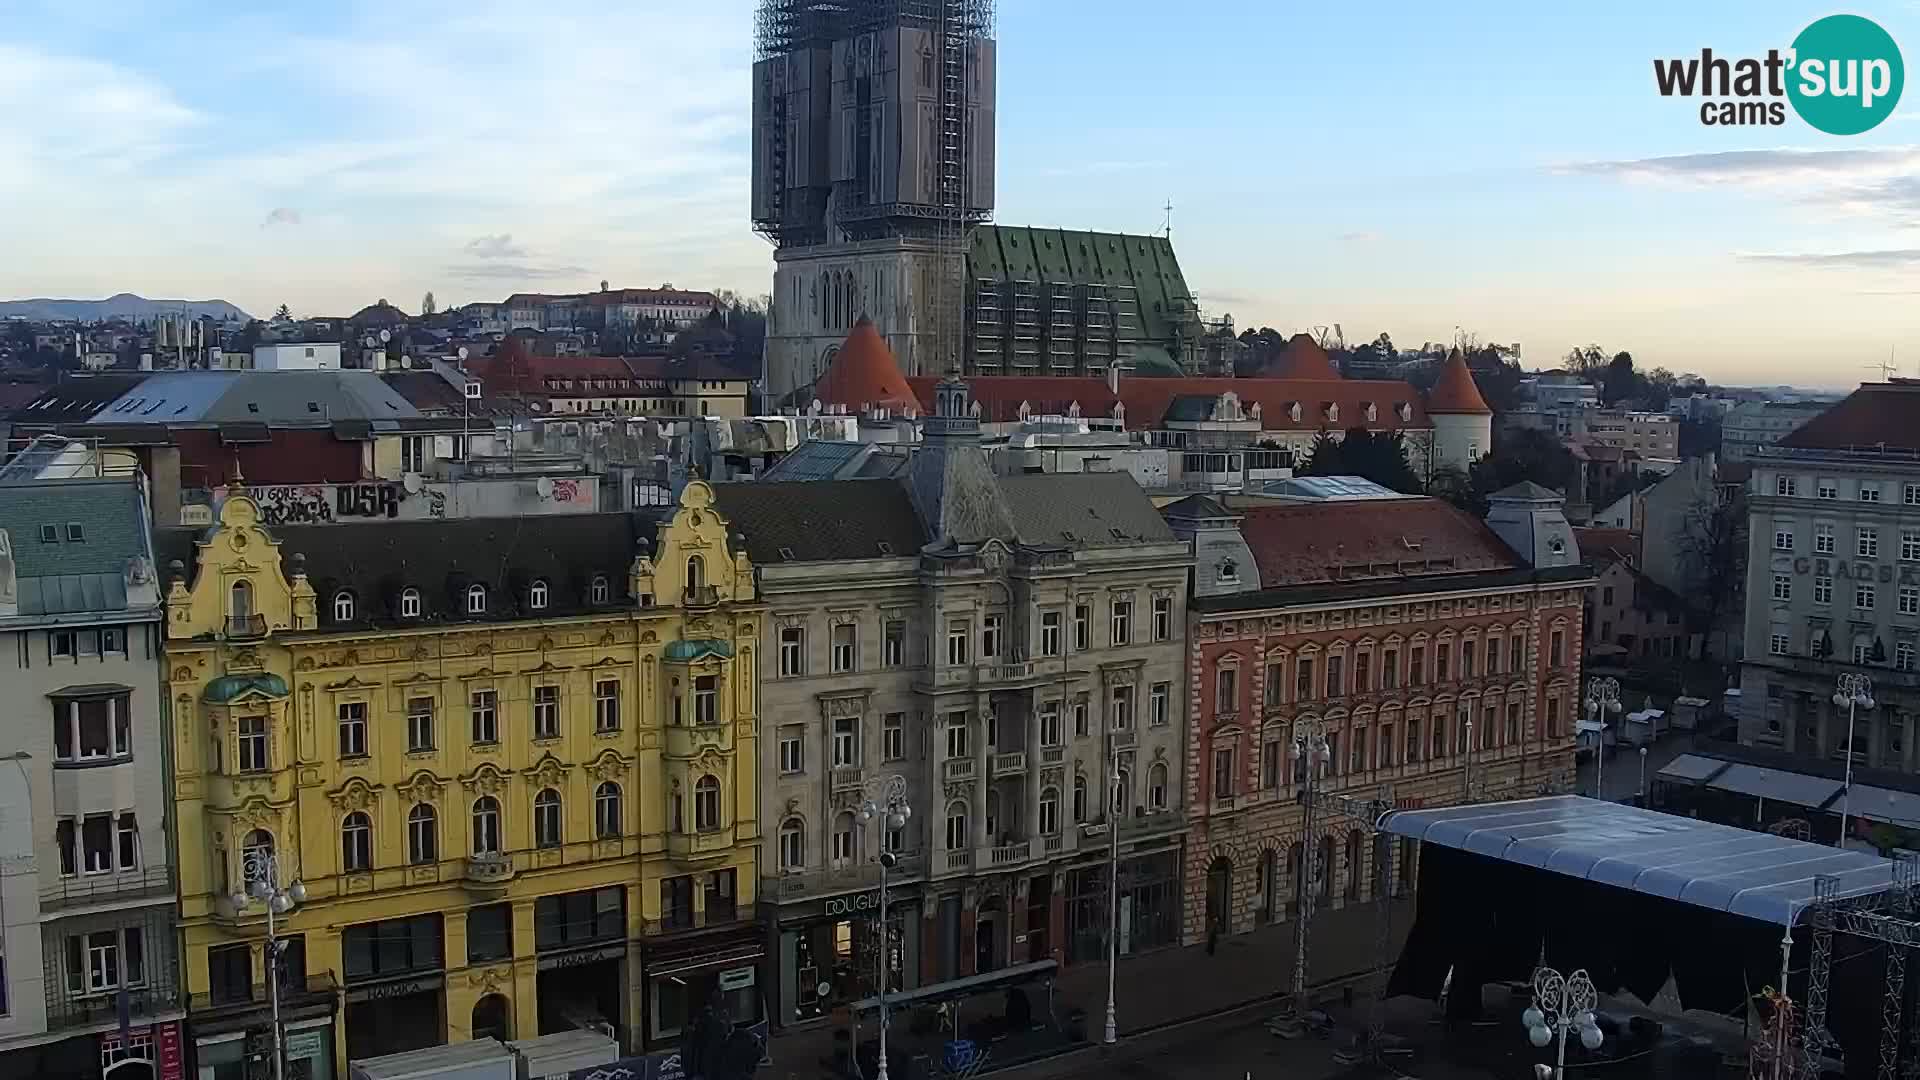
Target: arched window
{"type": "Point", "coordinates": [255, 852]}
{"type": "Point", "coordinates": [1079, 800]}
{"type": "Point", "coordinates": [793, 844]}
{"type": "Point", "coordinates": [343, 606]}
{"type": "Point", "coordinates": [240, 601]}
{"type": "Point", "coordinates": [606, 811]}
{"type": "Point", "coordinates": [843, 839]}
{"type": "Point", "coordinates": [490, 1018]}
{"type": "Point", "coordinates": [486, 825]}
{"type": "Point", "coordinates": [696, 573]}
{"type": "Point", "coordinates": [356, 843]}
{"type": "Point", "coordinates": [537, 596]}
{"type": "Point", "coordinates": [957, 824]}
{"type": "Point", "coordinates": [1269, 885]}
{"type": "Point", "coordinates": [706, 804]}
{"type": "Point", "coordinates": [599, 590]}
{"type": "Point", "coordinates": [1049, 811]}
{"type": "Point", "coordinates": [409, 603]}
{"type": "Point", "coordinates": [476, 599]}
{"type": "Point", "coordinates": [546, 819]}
{"type": "Point", "coordinates": [1157, 786]}
{"type": "Point", "coordinates": [1355, 864]}
{"type": "Point", "coordinates": [423, 835]}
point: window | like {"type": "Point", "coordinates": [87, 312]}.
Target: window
{"type": "Point", "coordinates": [793, 845]}
{"type": "Point", "coordinates": [1826, 489]}
{"type": "Point", "coordinates": [419, 724]}
{"type": "Point", "coordinates": [343, 606]}
{"type": "Point", "coordinates": [537, 596]}
{"type": "Point", "coordinates": [893, 737]}
{"type": "Point", "coordinates": [423, 835]}
{"type": "Point", "coordinates": [113, 639]}
{"type": "Point", "coordinates": [64, 643]}
{"type": "Point", "coordinates": [958, 633]}
{"type": "Point", "coordinates": [791, 755]}
{"type": "Point", "coordinates": [1860, 652]}
{"type": "Point", "coordinates": [1122, 630]}
{"type": "Point", "coordinates": [1863, 597]}
{"type": "Point", "coordinates": [1303, 679]}
{"type": "Point", "coordinates": [1777, 644]}
{"type": "Point", "coordinates": [1122, 703]}
{"type": "Point", "coordinates": [599, 592]}
{"type": "Point", "coordinates": [1162, 618]}
{"type": "Point", "coordinates": [606, 705]}
{"type": "Point", "coordinates": [1362, 672]}
{"type": "Point", "coordinates": [1273, 755]}
{"type": "Point", "coordinates": [253, 756]}
{"type": "Point", "coordinates": [1160, 704]}
{"type": "Point", "coordinates": [696, 574]}
{"type": "Point", "coordinates": [1823, 590]}
{"type": "Point", "coordinates": [1223, 773]}
{"type": "Point", "coordinates": [1079, 799]}
{"type": "Point", "coordinates": [1786, 485]}
{"type": "Point", "coordinates": [1517, 654]}
{"type": "Point", "coordinates": [1082, 706]}
{"type": "Point", "coordinates": [846, 741]}
{"type": "Point", "coordinates": [1226, 690]}
{"type": "Point", "coordinates": [1783, 586]}
{"type": "Point", "coordinates": [1466, 659]}
{"type": "Point", "coordinates": [607, 821]}
{"type": "Point", "coordinates": [842, 854]}
{"type": "Point", "coordinates": [230, 973]}
{"type": "Point", "coordinates": [1082, 627]}
{"type": "Point", "coordinates": [546, 712]}
{"type": "Point", "coordinates": [990, 636]}
{"type": "Point", "coordinates": [1049, 811]}
{"type": "Point", "coordinates": [1867, 544]}
{"type": "Point", "coordinates": [127, 832]}
{"type": "Point", "coordinates": [546, 819]}
{"type": "Point", "coordinates": [1910, 545]}
{"type": "Point", "coordinates": [1870, 493]}
{"type": "Point", "coordinates": [1417, 666]}
{"type": "Point", "coordinates": [793, 651]}
{"type": "Point", "coordinates": [1556, 648]}
{"type": "Point", "coordinates": [957, 734]}
{"type": "Point", "coordinates": [1910, 494]}
{"type": "Point", "coordinates": [1903, 656]}
{"type": "Point", "coordinates": [706, 804]}
{"type": "Point", "coordinates": [1910, 599]}
{"type": "Point", "coordinates": [706, 699]}
{"type": "Point", "coordinates": [1336, 675]}
{"type": "Point", "coordinates": [106, 960]}
{"type": "Point", "coordinates": [393, 947]}
{"type": "Point", "coordinates": [893, 643]}
{"type": "Point", "coordinates": [356, 843]}
{"type": "Point", "coordinates": [92, 729]}
{"type": "Point", "coordinates": [409, 603]}
{"type": "Point", "coordinates": [842, 655]}
{"type": "Point", "coordinates": [255, 850]}
{"type": "Point", "coordinates": [1783, 539]}
{"type": "Point", "coordinates": [486, 825]}
{"type": "Point", "coordinates": [956, 824]}
{"type": "Point", "coordinates": [353, 729]}
{"type": "Point", "coordinates": [1442, 662]}
{"type": "Point", "coordinates": [1553, 717]}
{"type": "Point", "coordinates": [1823, 539]}
{"type": "Point", "coordinates": [476, 599]}
{"type": "Point", "coordinates": [1157, 787]}
{"type": "Point", "coordinates": [483, 709]}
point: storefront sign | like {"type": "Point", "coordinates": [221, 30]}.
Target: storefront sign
{"type": "Point", "coordinates": [388, 991]}
{"type": "Point", "coordinates": [306, 1044]}
{"type": "Point", "coordinates": [173, 1061]}
{"type": "Point", "coordinates": [840, 907]}
{"type": "Point", "coordinates": [581, 958]}
{"type": "Point", "coordinates": [736, 978]}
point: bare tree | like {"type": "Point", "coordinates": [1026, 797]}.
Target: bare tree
{"type": "Point", "coordinates": [1711, 539]}
{"type": "Point", "coordinates": [427, 306]}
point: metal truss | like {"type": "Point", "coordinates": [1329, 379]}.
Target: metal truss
{"type": "Point", "coordinates": [1887, 917]}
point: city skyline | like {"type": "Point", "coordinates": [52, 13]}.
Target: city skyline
{"type": "Point", "coordinates": [1519, 179]}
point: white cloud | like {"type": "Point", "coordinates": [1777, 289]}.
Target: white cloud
{"type": "Point", "coordinates": [281, 215]}
{"type": "Point", "coordinates": [1778, 169]}
{"type": "Point", "coordinates": [497, 246]}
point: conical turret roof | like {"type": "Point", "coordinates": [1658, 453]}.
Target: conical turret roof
{"type": "Point", "coordinates": [863, 374]}
{"type": "Point", "coordinates": [1303, 358]}
{"type": "Point", "coordinates": [1455, 391]}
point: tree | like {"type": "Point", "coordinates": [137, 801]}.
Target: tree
{"type": "Point", "coordinates": [1377, 456]}
{"type": "Point", "coordinates": [1518, 454]}
{"type": "Point", "coordinates": [1619, 383]}
{"type": "Point", "coordinates": [1586, 361]}
{"type": "Point", "coordinates": [283, 313]}
{"type": "Point", "coordinates": [1711, 539]}
{"type": "Point", "coordinates": [427, 306]}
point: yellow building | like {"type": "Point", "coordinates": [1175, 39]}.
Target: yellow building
{"type": "Point", "coordinates": [510, 763]}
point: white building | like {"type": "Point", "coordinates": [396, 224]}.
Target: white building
{"type": "Point", "coordinates": [297, 356]}
{"type": "Point", "coordinates": [1751, 425]}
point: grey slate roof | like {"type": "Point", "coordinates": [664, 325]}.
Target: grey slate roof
{"type": "Point", "coordinates": [1526, 489]}
{"type": "Point", "coordinates": [1082, 510]}
{"type": "Point", "coordinates": [821, 520]}
{"type": "Point", "coordinates": [280, 398]}
{"type": "Point", "coordinates": [64, 576]}
{"type": "Point", "coordinates": [816, 459]}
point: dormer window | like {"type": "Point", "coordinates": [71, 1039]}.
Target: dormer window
{"type": "Point", "coordinates": [409, 603]}
{"type": "Point", "coordinates": [1333, 412]}
{"type": "Point", "coordinates": [1293, 411]}
{"type": "Point", "coordinates": [1229, 571]}
{"type": "Point", "coordinates": [343, 606]}
{"type": "Point", "coordinates": [1373, 413]}
{"type": "Point", "coordinates": [476, 599]}
{"type": "Point", "coordinates": [599, 590]}
{"type": "Point", "coordinates": [537, 596]}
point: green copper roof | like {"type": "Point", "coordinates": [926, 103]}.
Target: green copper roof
{"type": "Point", "coordinates": [228, 689]}
{"type": "Point", "coordinates": [686, 650]}
{"type": "Point", "coordinates": [1147, 263]}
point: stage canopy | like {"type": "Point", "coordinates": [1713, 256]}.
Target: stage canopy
{"type": "Point", "coordinates": [1699, 863]}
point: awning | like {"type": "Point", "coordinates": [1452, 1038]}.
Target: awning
{"type": "Point", "coordinates": [964, 987]}
{"type": "Point", "coordinates": [1884, 805]}
{"type": "Point", "coordinates": [1692, 769]}
{"type": "Point", "coordinates": [1701, 863]}
{"type": "Point", "coordinates": [1779, 785]}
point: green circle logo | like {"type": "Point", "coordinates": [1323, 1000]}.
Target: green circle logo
{"type": "Point", "coordinates": [1847, 75]}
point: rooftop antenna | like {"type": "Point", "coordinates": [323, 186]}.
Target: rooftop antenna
{"type": "Point", "coordinates": [1166, 228]}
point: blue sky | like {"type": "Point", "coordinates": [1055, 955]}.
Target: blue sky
{"type": "Point", "coordinates": [1506, 169]}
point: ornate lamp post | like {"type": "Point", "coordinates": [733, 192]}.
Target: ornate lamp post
{"type": "Point", "coordinates": [260, 872]}
{"type": "Point", "coordinates": [1311, 751]}
{"type": "Point", "coordinates": [1853, 692]}
{"type": "Point", "coordinates": [886, 798]}
{"type": "Point", "coordinates": [1603, 700]}
{"type": "Point", "coordinates": [1561, 1004]}
{"type": "Point", "coordinates": [1116, 802]}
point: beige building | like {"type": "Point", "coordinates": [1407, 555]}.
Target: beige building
{"type": "Point", "coordinates": [1651, 435]}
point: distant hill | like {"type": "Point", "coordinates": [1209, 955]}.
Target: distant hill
{"type": "Point", "coordinates": [119, 306]}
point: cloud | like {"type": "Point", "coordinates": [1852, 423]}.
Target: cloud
{"type": "Point", "coordinates": [1781, 168]}
{"type": "Point", "coordinates": [281, 215]}
{"type": "Point", "coordinates": [1361, 237]}
{"type": "Point", "coordinates": [512, 272]}
{"type": "Point", "coordinates": [1890, 258]}
{"type": "Point", "coordinates": [499, 246]}
{"type": "Point", "coordinates": [1101, 168]}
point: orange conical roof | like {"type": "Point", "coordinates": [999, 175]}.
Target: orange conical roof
{"type": "Point", "coordinates": [863, 374]}
{"type": "Point", "coordinates": [1303, 358]}
{"type": "Point", "coordinates": [1455, 391]}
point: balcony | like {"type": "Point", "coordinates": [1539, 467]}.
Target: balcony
{"type": "Point", "coordinates": [1125, 739]}
{"type": "Point", "coordinates": [487, 875]}
{"type": "Point", "coordinates": [1053, 755]}
{"type": "Point", "coordinates": [866, 875]}
{"type": "Point", "coordinates": [1004, 855]}
{"type": "Point", "coordinates": [848, 778]}
{"type": "Point", "coordinates": [246, 626]}
{"type": "Point", "coordinates": [687, 741]}
{"type": "Point", "coordinates": [1883, 675]}
{"type": "Point", "coordinates": [152, 883]}
{"type": "Point", "coordinates": [1011, 763]}
{"type": "Point", "coordinates": [694, 847]}
{"type": "Point", "coordinates": [1008, 675]}
{"type": "Point", "coordinates": [144, 1003]}
{"type": "Point", "coordinates": [956, 769]}
{"type": "Point", "coordinates": [702, 596]}
{"type": "Point", "coordinates": [959, 860]}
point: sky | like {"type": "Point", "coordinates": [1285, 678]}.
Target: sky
{"type": "Point", "coordinates": [1505, 170]}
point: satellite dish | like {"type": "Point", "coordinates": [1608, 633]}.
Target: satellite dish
{"type": "Point", "coordinates": [544, 486]}
{"type": "Point", "coordinates": [412, 483]}
{"type": "Point", "coordinates": [386, 336]}
{"type": "Point", "coordinates": [462, 352]}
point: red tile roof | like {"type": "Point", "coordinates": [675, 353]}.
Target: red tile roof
{"type": "Point", "coordinates": [863, 375]}
{"type": "Point", "coordinates": [1455, 392]}
{"type": "Point", "coordinates": [1319, 543]}
{"type": "Point", "coordinates": [1147, 400]}
{"type": "Point", "coordinates": [1303, 358]}
{"type": "Point", "coordinates": [1874, 416]}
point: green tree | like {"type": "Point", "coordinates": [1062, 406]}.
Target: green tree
{"type": "Point", "coordinates": [1377, 456]}
{"type": "Point", "coordinates": [1619, 383]}
{"type": "Point", "coordinates": [427, 306]}
{"type": "Point", "coordinates": [282, 313]}
{"type": "Point", "coordinates": [1518, 454]}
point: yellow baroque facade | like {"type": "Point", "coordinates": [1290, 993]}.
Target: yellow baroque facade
{"type": "Point", "coordinates": [510, 764]}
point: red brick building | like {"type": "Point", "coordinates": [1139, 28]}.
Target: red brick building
{"type": "Point", "coordinates": [1439, 653]}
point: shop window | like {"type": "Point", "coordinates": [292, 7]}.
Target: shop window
{"type": "Point", "coordinates": [490, 933]}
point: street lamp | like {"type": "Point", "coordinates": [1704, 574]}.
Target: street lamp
{"type": "Point", "coordinates": [1561, 1004]}
{"type": "Point", "coordinates": [1116, 801]}
{"type": "Point", "coordinates": [1603, 700]}
{"type": "Point", "coordinates": [1310, 749]}
{"type": "Point", "coordinates": [1643, 776]}
{"type": "Point", "coordinates": [885, 798]}
{"type": "Point", "coordinates": [1855, 692]}
{"type": "Point", "coordinates": [260, 872]}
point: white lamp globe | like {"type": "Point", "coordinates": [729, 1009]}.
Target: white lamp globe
{"type": "Point", "coordinates": [1840, 699]}
{"type": "Point", "coordinates": [1533, 1017]}
{"type": "Point", "coordinates": [298, 892]}
{"type": "Point", "coordinates": [1590, 1038]}
{"type": "Point", "coordinates": [897, 820]}
{"type": "Point", "coordinates": [1539, 1035]}
{"type": "Point", "coordinates": [281, 903]}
